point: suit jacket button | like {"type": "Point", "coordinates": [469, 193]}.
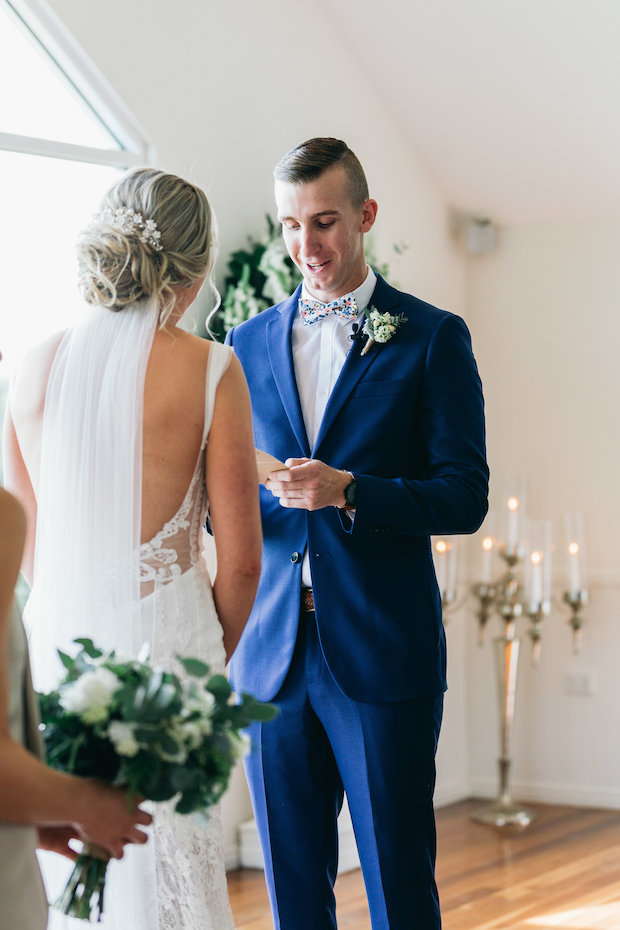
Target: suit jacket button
{"type": "Point", "coordinates": [296, 557]}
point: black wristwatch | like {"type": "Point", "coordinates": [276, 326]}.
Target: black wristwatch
{"type": "Point", "coordinates": [350, 494]}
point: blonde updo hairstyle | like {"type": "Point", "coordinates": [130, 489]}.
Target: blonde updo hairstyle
{"type": "Point", "coordinates": [116, 268]}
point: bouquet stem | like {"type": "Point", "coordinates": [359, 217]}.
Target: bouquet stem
{"type": "Point", "coordinates": [83, 895]}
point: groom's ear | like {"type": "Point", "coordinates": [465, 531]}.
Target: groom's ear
{"type": "Point", "coordinates": [369, 214]}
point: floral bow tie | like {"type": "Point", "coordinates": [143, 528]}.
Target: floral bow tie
{"type": "Point", "coordinates": [313, 310]}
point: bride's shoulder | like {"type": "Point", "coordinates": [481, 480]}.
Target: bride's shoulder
{"type": "Point", "coordinates": [192, 350]}
{"type": "Point", "coordinates": [199, 343]}
{"type": "Point", "coordinates": [42, 353]}
{"type": "Point", "coordinates": [30, 379]}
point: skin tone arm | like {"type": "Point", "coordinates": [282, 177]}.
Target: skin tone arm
{"type": "Point", "coordinates": [31, 793]}
{"type": "Point", "coordinates": [25, 405]}
{"type": "Point", "coordinates": [18, 481]}
{"type": "Point", "coordinates": [232, 488]}
{"type": "Point", "coordinates": [309, 485]}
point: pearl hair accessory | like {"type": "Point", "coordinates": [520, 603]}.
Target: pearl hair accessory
{"type": "Point", "coordinates": [127, 220]}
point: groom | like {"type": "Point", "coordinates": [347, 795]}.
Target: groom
{"type": "Point", "coordinates": [384, 443]}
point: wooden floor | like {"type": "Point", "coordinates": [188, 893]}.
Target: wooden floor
{"type": "Point", "coordinates": [560, 873]}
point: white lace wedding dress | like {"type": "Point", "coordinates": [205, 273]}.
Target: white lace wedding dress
{"type": "Point", "coordinates": [176, 881]}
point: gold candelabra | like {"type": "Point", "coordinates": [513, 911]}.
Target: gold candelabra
{"type": "Point", "coordinates": [507, 598]}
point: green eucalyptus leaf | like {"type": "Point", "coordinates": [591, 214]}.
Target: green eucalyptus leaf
{"type": "Point", "coordinates": [146, 734]}
{"type": "Point", "coordinates": [66, 660]}
{"type": "Point", "coordinates": [257, 710]}
{"type": "Point", "coordinates": [168, 744]}
{"type": "Point", "coordinates": [89, 648]}
{"type": "Point", "coordinates": [189, 801]}
{"type": "Point", "coordinates": [183, 778]}
{"type": "Point", "coordinates": [124, 699]}
{"type": "Point", "coordinates": [194, 667]}
{"type": "Point", "coordinates": [219, 687]}
{"type": "Point", "coordinates": [263, 712]}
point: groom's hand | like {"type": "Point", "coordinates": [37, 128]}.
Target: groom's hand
{"type": "Point", "coordinates": [309, 485]}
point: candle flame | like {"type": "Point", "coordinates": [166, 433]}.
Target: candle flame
{"type": "Point", "coordinates": [573, 548]}
{"type": "Point", "coordinates": [536, 557]}
{"type": "Point", "coordinates": [487, 543]}
{"type": "Point", "coordinates": [513, 503]}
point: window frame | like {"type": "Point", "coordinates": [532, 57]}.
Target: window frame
{"type": "Point", "coordinates": [135, 147]}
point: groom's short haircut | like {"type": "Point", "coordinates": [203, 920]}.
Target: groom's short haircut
{"type": "Point", "coordinates": [308, 161]}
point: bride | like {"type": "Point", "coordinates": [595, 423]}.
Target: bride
{"type": "Point", "coordinates": [119, 434]}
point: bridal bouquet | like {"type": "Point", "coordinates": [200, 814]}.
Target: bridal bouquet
{"type": "Point", "coordinates": [128, 723]}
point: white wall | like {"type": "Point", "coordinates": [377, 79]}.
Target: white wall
{"type": "Point", "coordinates": [544, 307]}
{"type": "Point", "coordinates": [223, 90]}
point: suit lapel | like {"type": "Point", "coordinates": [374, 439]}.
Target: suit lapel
{"type": "Point", "coordinates": [383, 298]}
{"type": "Point", "coordinates": [281, 361]}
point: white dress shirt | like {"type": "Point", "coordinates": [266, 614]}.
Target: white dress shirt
{"type": "Point", "coordinates": [319, 352]}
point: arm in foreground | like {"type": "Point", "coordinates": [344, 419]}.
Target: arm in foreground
{"type": "Point", "coordinates": [22, 436]}
{"type": "Point", "coordinates": [232, 489]}
{"type": "Point", "coordinates": [30, 792]}
{"type": "Point", "coordinates": [17, 480]}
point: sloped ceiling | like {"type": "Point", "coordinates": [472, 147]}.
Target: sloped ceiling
{"type": "Point", "coordinates": [513, 105]}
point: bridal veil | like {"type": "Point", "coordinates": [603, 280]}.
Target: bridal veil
{"type": "Point", "coordinates": [87, 572]}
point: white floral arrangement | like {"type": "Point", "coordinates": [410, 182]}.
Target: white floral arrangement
{"type": "Point", "coordinates": [380, 327]}
{"type": "Point", "coordinates": [140, 727]}
{"type": "Point", "coordinates": [258, 276]}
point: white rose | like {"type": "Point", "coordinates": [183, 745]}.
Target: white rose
{"type": "Point", "coordinates": [201, 701]}
{"type": "Point", "coordinates": [194, 731]}
{"type": "Point", "coordinates": [123, 736]}
{"type": "Point", "coordinates": [91, 695]}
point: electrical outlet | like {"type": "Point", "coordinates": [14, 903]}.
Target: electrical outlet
{"type": "Point", "coordinates": [580, 682]}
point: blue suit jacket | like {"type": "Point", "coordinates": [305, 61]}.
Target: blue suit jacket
{"type": "Point", "coordinates": [408, 420]}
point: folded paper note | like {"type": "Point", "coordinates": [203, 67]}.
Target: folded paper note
{"type": "Point", "coordinates": [266, 464]}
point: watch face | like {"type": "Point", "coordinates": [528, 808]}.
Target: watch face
{"type": "Point", "coordinates": [349, 493]}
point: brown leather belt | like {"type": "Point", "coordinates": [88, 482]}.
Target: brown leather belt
{"type": "Point", "coordinates": [307, 601]}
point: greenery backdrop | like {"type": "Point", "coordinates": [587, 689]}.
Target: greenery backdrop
{"type": "Point", "coordinates": [262, 274]}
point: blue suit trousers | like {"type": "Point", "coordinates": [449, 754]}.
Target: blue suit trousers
{"type": "Point", "coordinates": [323, 744]}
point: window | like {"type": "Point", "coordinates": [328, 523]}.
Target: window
{"type": "Point", "coordinates": [64, 138]}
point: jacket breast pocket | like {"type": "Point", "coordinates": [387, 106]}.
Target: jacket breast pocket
{"type": "Point", "coordinates": [383, 388]}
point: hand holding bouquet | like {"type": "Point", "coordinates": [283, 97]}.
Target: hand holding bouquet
{"type": "Point", "coordinates": [132, 725]}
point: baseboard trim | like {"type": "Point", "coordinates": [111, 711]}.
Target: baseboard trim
{"type": "Point", "coordinates": [451, 793]}
{"type": "Point", "coordinates": [231, 857]}
{"type": "Point", "coordinates": [551, 793]}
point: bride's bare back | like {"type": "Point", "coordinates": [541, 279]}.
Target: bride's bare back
{"type": "Point", "coordinates": [174, 409]}
{"type": "Point", "coordinates": [174, 393]}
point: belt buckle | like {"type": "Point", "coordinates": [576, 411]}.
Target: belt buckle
{"type": "Point", "coordinates": [307, 600]}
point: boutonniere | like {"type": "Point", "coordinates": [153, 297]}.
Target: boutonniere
{"type": "Point", "coordinates": [380, 327]}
